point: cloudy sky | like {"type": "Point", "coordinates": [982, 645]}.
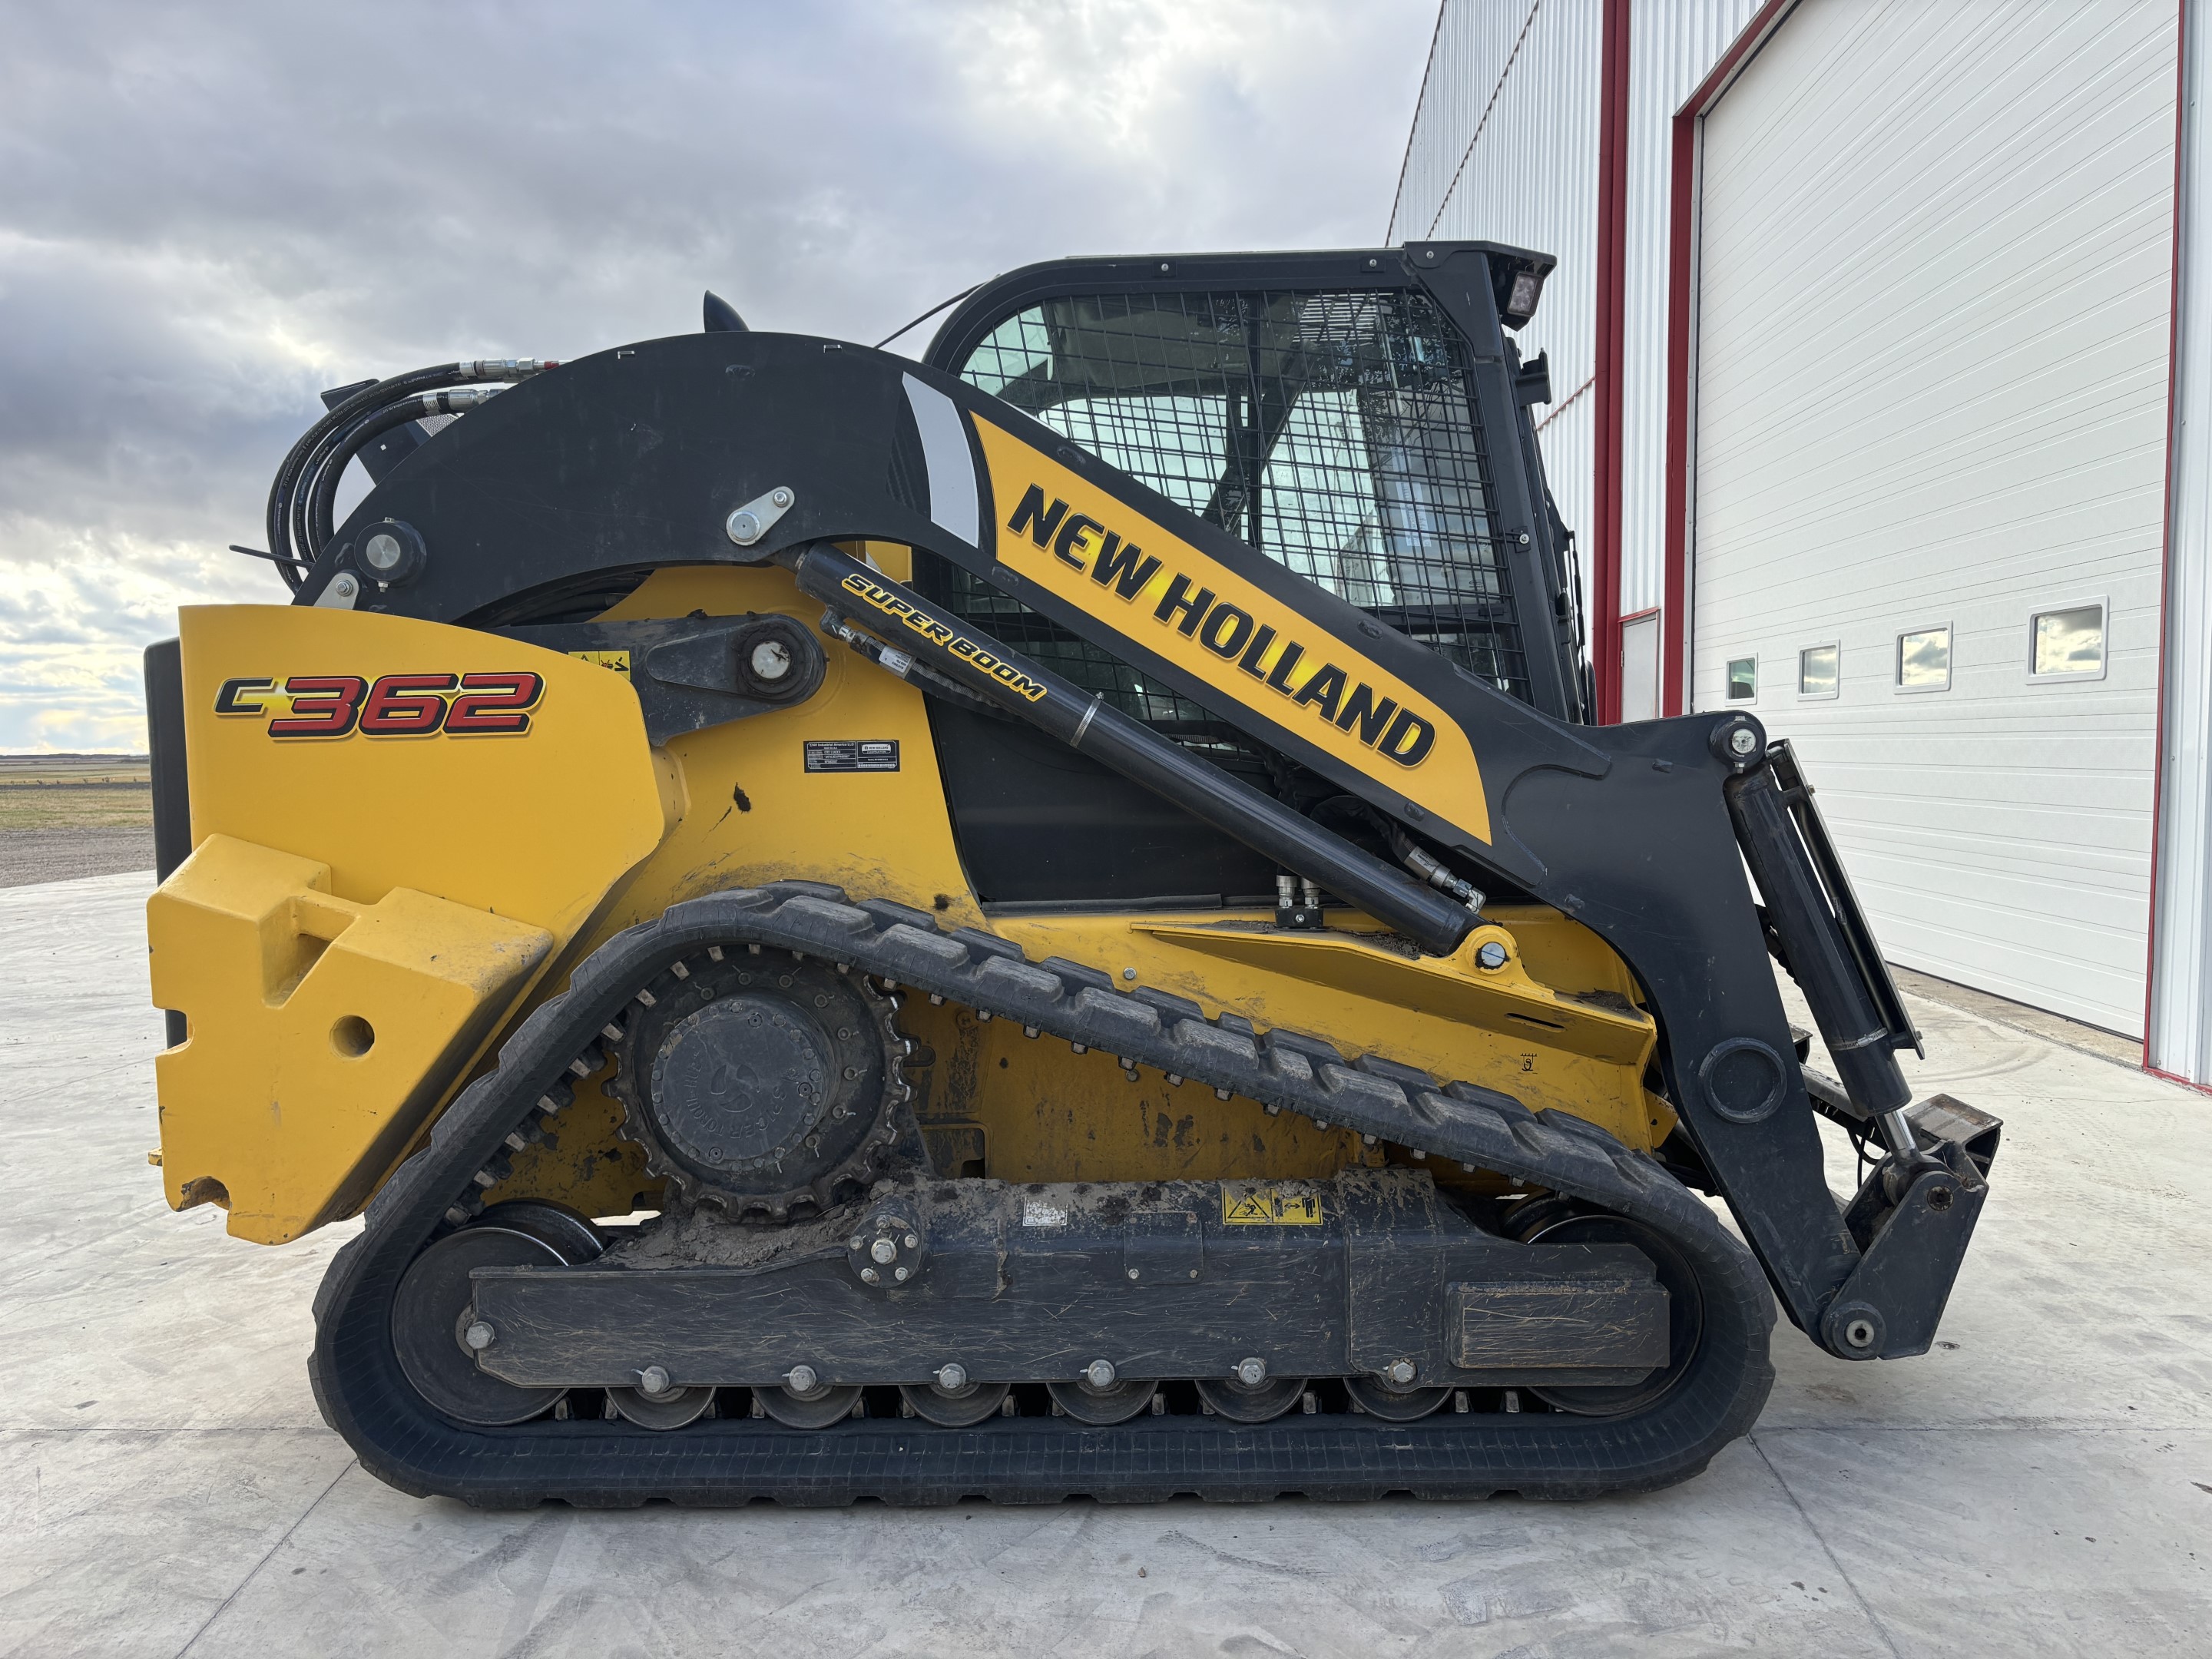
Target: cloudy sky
{"type": "Point", "coordinates": [210, 213]}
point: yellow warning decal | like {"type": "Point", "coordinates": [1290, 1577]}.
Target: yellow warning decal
{"type": "Point", "coordinates": [1270, 1206]}
{"type": "Point", "coordinates": [617, 660]}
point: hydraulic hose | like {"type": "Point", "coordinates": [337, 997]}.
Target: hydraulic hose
{"type": "Point", "coordinates": [320, 495]}
{"type": "Point", "coordinates": [287, 522]}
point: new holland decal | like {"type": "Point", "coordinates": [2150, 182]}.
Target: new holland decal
{"type": "Point", "coordinates": [1073, 539]}
{"type": "Point", "coordinates": [455, 705]}
{"type": "Point", "coordinates": [1229, 631]}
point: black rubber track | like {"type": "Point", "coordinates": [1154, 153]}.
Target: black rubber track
{"type": "Point", "coordinates": [364, 1396]}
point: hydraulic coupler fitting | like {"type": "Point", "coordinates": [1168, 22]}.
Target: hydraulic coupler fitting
{"type": "Point", "coordinates": [1433, 872]}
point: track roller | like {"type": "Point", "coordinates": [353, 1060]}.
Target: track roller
{"type": "Point", "coordinates": [1379, 1399]}
{"type": "Point", "coordinates": [961, 1406]}
{"type": "Point", "coordinates": [1101, 1398]}
{"type": "Point", "coordinates": [803, 1402]}
{"type": "Point", "coordinates": [656, 1403]}
{"type": "Point", "coordinates": [1248, 1395]}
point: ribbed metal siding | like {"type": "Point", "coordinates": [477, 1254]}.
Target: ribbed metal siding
{"type": "Point", "coordinates": [1504, 150]}
{"type": "Point", "coordinates": [1531, 177]}
{"type": "Point", "coordinates": [1473, 49]}
{"type": "Point", "coordinates": [1673, 45]}
{"type": "Point", "coordinates": [1933, 280]}
{"type": "Point", "coordinates": [2181, 969]}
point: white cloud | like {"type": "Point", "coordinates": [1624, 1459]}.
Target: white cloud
{"type": "Point", "coordinates": [213, 211]}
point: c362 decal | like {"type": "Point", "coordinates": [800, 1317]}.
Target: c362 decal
{"type": "Point", "coordinates": [475, 705]}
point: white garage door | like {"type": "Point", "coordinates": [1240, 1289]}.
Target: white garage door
{"type": "Point", "coordinates": [1935, 252]}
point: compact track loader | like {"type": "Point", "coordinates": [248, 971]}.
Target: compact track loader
{"type": "Point", "coordinates": [1047, 921]}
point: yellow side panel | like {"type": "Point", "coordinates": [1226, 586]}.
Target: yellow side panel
{"type": "Point", "coordinates": [364, 910]}
{"type": "Point", "coordinates": [322, 1031]}
{"type": "Point", "coordinates": [1048, 1114]}
{"type": "Point", "coordinates": [758, 815]}
{"type": "Point", "coordinates": [536, 824]}
{"type": "Point", "coordinates": [1580, 1046]}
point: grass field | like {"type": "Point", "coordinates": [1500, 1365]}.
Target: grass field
{"type": "Point", "coordinates": [73, 791]}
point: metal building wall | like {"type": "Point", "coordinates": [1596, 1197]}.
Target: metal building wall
{"type": "Point", "coordinates": [1932, 367]}
{"type": "Point", "coordinates": [1504, 146]}
{"type": "Point", "coordinates": [1673, 45]}
{"type": "Point", "coordinates": [2180, 1037]}
{"type": "Point", "coordinates": [1504, 150]}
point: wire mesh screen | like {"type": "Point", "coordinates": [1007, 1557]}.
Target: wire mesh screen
{"type": "Point", "coordinates": [1333, 432]}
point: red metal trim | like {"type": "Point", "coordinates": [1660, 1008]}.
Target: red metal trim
{"type": "Point", "coordinates": [1612, 326]}
{"type": "Point", "coordinates": [1673, 645]}
{"type": "Point", "coordinates": [2158, 804]}
{"type": "Point", "coordinates": [1638, 616]}
{"type": "Point", "coordinates": [1681, 228]}
{"type": "Point", "coordinates": [1565, 403]}
{"type": "Point", "coordinates": [2176, 1077]}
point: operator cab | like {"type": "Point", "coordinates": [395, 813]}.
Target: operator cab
{"type": "Point", "coordinates": [1360, 417]}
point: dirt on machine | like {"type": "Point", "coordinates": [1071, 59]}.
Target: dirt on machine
{"type": "Point", "coordinates": [1051, 920]}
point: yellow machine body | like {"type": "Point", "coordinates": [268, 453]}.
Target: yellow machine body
{"type": "Point", "coordinates": [360, 912]}
{"type": "Point", "coordinates": [427, 891]}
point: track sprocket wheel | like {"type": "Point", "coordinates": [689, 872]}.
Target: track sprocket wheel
{"type": "Point", "coordinates": [763, 1087]}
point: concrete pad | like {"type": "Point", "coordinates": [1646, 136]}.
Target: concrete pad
{"type": "Point", "coordinates": [2040, 1539]}
{"type": "Point", "coordinates": [169, 1489]}
{"type": "Point", "coordinates": [1686, 1572]}
{"type": "Point", "coordinates": [2073, 1303]}
{"type": "Point", "coordinates": [216, 1328]}
{"type": "Point", "coordinates": [129, 1543]}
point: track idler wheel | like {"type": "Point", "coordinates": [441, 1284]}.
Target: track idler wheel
{"type": "Point", "coordinates": [1685, 1310]}
{"type": "Point", "coordinates": [434, 1330]}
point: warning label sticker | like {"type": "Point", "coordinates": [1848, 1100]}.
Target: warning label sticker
{"type": "Point", "coordinates": [854, 755]}
{"type": "Point", "coordinates": [1270, 1206]}
{"type": "Point", "coordinates": [618, 661]}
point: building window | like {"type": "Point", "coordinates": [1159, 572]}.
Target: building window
{"type": "Point", "coordinates": [1924, 660]}
{"type": "Point", "coordinates": [2068, 644]}
{"type": "Point", "coordinates": [1743, 679]}
{"type": "Point", "coordinates": [1819, 668]}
